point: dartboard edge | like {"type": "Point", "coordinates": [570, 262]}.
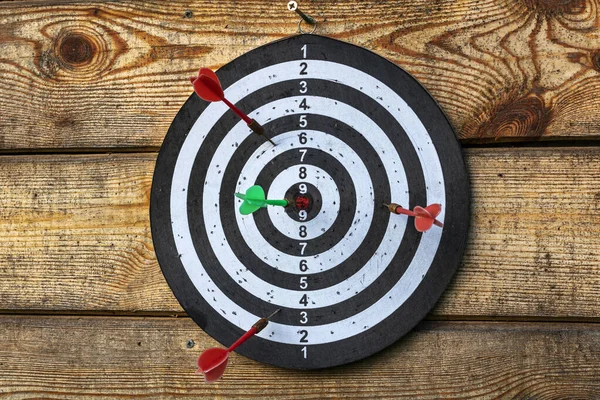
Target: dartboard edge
{"type": "Point", "coordinates": [352, 131]}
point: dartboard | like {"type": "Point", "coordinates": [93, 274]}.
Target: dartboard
{"type": "Point", "coordinates": [351, 131]}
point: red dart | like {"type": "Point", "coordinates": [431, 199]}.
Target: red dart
{"type": "Point", "coordinates": [212, 362]}
{"type": "Point", "coordinates": [424, 217]}
{"type": "Point", "coordinates": [208, 87]}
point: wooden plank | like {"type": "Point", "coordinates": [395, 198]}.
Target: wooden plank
{"type": "Point", "coordinates": [534, 246]}
{"type": "Point", "coordinates": [75, 236]}
{"type": "Point", "coordinates": [113, 74]}
{"type": "Point", "coordinates": [108, 357]}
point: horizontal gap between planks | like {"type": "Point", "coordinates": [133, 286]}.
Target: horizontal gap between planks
{"type": "Point", "coordinates": [94, 313]}
{"type": "Point", "coordinates": [77, 151]}
{"type": "Point", "coordinates": [537, 144]}
{"type": "Point", "coordinates": [467, 144]}
{"type": "Point", "coordinates": [167, 314]}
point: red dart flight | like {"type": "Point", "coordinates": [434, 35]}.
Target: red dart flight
{"type": "Point", "coordinates": [212, 362]}
{"type": "Point", "coordinates": [424, 217]}
{"type": "Point", "coordinates": [208, 87]}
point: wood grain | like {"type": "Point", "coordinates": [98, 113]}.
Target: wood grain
{"type": "Point", "coordinates": [82, 223]}
{"type": "Point", "coordinates": [84, 357]}
{"type": "Point", "coordinates": [113, 74]}
{"type": "Point", "coordinates": [75, 237]}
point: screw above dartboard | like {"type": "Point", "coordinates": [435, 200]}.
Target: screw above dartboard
{"type": "Point", "coordinates": [293, 6]}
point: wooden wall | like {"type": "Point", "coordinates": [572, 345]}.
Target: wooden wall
{"type": "Point", "coordinates": [87, 92]}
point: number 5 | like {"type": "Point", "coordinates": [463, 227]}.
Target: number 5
{"type": "Point", "coordinates": [303, 283]}
{"type": "Point", "coordinates": [303, 121]}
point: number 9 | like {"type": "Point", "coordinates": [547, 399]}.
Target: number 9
{"type": "Point", "coordinates": [303, 215]}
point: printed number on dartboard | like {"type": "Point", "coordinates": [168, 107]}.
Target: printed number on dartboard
{"type": "Point", "coordinates": [303, 320]}
{"type": "Point", "coordinates": [303, 64]}
{"type": "Point", "coordinates": [303, 339]}
{"type": "Point", "coordinates": [303, 189]}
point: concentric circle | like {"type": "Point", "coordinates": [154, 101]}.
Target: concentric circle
{"type": "Point", "coordinates": [305, 196]}
{"type": "Point", "coordinates": [307, 200]}
{"type": "Point", "coordinates": [352, 132]}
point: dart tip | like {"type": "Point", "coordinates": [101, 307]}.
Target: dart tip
{"type": "Point", "coordinates": [386, 205]}
{"type": "Point", "coordinates": [274, 313]}
{"type": "Point", "coordinates": [272, 142]}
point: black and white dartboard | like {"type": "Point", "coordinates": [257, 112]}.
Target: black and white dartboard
{"type": "Point", "coordinates": [352, 131]}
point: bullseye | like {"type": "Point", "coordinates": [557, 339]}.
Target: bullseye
{"type": "Point", "coordinates": [307, 202]}
{"type": "Point", "coordinates": [243, 225]}
{"type": "Point", "coordinates": [302, 202]}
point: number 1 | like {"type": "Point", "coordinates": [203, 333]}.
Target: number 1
{"type": "Point", "coordinates": [303, 48]}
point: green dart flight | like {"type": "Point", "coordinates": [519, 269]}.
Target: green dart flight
{"type": "Point", "coordinates": [255, 199]}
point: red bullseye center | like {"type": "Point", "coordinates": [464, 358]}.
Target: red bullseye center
{"type": "Point", "coordinates": [302, 202]}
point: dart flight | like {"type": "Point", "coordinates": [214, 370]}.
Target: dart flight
{"type": "Point", "coordinates": [207, 87]}
{"type": "Point", "coordinates": [424, 217]}
{"type": "Point", "coordinates": [255, 199]}
{"type": "Point", "coordinates": [212, 362]}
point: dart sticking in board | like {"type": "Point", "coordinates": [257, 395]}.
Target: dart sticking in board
{"type": "Point", "coordinates": [351, 132]}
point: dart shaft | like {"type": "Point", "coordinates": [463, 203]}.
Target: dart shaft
{"type": "Point", "coordinates": [262, 202]}
{"type": "Point", "coordinates": [263, 322]}
{"type": "Point", "coordinates": [257, 327]}
{"type": "Point", "coordinates": [251, 332]}
{"type": "Point", "coordinates": [282, 203]}
{"type": "Point", "coordinates": [259, 130]}
{"type": "Point", "coordinates": [236, 110]}
{"type": "Point", "coordinates": [256, 127]}
{"type": "Point", "coordinates": [400, 210]}
{"type": "Point", "coordinates": [252, 124]}
{"type": "Point", "coordinates": [397, 209]}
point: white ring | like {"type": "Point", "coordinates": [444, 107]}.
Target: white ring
{"type": "Point", "coordinates": [235, 267]}
{"type": "Point", "coordinates": [322, 221]}
{"type": "Point", "coordinates": [343, 249]}
{"type": "Point", "coordinates": [359, 174]}
{"type": "Point", "coordinates": [245, 278]}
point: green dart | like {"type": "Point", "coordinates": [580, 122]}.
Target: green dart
{"type": "Point", "coordinates": [255, 199]}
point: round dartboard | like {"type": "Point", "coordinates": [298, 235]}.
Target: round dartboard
{"type": "Point", "coordinates": [352, 132]}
